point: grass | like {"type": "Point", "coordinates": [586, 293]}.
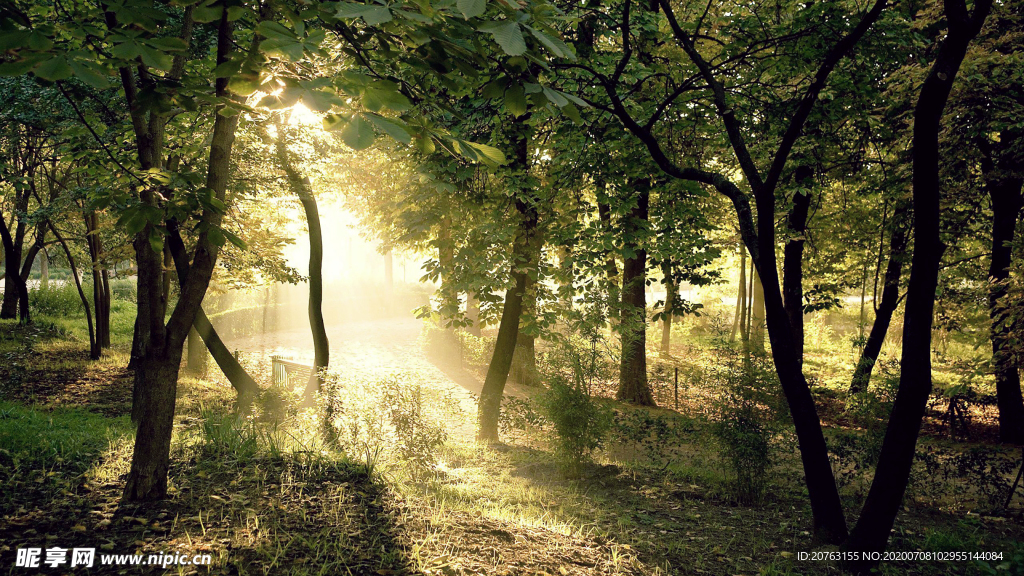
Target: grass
{"type": "Point", "coordinates": [263, 493]}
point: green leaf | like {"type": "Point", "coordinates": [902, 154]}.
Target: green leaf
{"type": "Point", "coordinates": [391, 128]}
{"type": "Point", "coordinates": [54, 69]}
{"type": "Point", "coordinates": [168, 44]}
{"type": "Point", "coordinates": [472, 8]}
{"type": "Point", "coordinates": [555, 96]}
{"type": "Point", "coordinates": [572, 112]}
{"type": "Point", "coordinates": [385, 95]}
{"type": "Point", "coordinates": [491, 153]}
{"type": "Point", "coordinates": [238, 242]}
{"type": "Point", "coordinates": [425, 144]}
{"type": "Point", "coordinates": [206, 14]}
{"type": "Point", "coordinates": [88, 72]}
{"type": "Point", "coordinates": [515, 100]}
{"type": "Point", "coordinates": [320, 101]}
{"type": "Point", "coordinates": [374, 15]}
{"type": "Point", "coordinates": [14, 40]}
{"type": "Point", "coordinates": [508, 35]}
{"type": "Point", "coordinates": [244, 84]}
{"type": "Point", "coordinates": [555, 45]}
{"type": "Point", "coordinates": [349, 10]}
{"type": "Point", "coordinates": [156, 59]}
{"type": "Point", "coordinates": [358, 133]}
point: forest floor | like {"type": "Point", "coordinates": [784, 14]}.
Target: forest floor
{"type": "Point", "coordinates": [261, 503]}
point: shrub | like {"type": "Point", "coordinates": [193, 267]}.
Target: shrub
{"type": "Point", "coordinates": [56, 300]}
{"type": "Point", "coordinates": [580, 423]}
{"type": "Point", "coordinates": [654, 435]}
{"type": "Point", "coordinates": [747, 418]}
{"type": "Point", "coordinates": [386, 421]}
{"type": "Point", "coordinates": [123, 289]}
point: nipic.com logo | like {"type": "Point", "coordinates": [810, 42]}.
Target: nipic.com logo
{"type": "Point", "coordinates": [57, 557]}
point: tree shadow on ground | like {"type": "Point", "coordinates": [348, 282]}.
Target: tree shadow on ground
{"type": "Point", "coordinates": [264, 515]}
{"type": "Point", "coordinates": [39, 365]}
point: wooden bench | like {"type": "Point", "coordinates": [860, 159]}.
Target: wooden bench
{"type": "Point", "coordinates": [289, 372]}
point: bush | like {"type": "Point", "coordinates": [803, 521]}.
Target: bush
{"type": "Point", "coordinates": [654, 435]}
{"type": "Point", "coordinates": [56, 300]}
{"type": "Point", "coordinates": [581, 423]}
{"type": "Point", "coordinates": [748, 416]}
{"type": "Point", "coordinates": [123, 289]}
{"type": "Point", "coordinates": [386, 422]}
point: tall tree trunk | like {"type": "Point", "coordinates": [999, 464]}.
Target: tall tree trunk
{"type": "Point", "coordinates": [94, 347]}
{"type": "Point", "coordinates": [739, 322]}
{"type": "Point", "coordinates": [792, 260]}
{"type": "Point", "coordinates": [302, 188]}
{"type": "Point", "coordinates": [757, 315]}
{"type": "Point", "coordinates": [508, 329]}
{"type": "Point", "coordinates": [244, 384]}
{"type": "Point", "coordinates": [871, 533]}
{"type": "Point", "coordinates": [524, 359]}
{"type": "Point", "coordinates": [633, 385]}
{"type": "Point", "coordinates": [886, 305]}
{"type": "Point", "coordinates": [24, 314]}
{"type": "Point", "coordinates": [100, 286]}
{"type": "Point", "coordinates": [321, 346]}
{"type": "Point", "coordinates": [473, 314]}
{"type": "Point", "coordinates": [1004, 190]}
{"type": "Point", "coordinates": [157, 368]}
{"type": "Point", "coordinates": [14, 287]}
{"type": "Point", "coordinates": [667, 312]}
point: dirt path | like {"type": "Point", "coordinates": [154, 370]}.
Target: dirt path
{"type": "Point", "coordinates": [375, 349]}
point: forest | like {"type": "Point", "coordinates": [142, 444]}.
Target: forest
{"type": "Point", "coordinates": [512, 287]}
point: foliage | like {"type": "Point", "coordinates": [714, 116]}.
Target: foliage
{"type": "Point", "coordinates": [580, 422]}
{"type": "Point", "coordinates": [386, 422]}
{"type": "Point", "coordinates": [57, 299]}
{"type": "Point", "coordinates": [658, 436]}
{"type": "Point", "coordinates": [747, 419]}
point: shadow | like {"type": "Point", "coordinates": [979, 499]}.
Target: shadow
{"type": "Point", "coordinates": [41, 366]}
{"type": "Point", "coordinates": [292, 515]}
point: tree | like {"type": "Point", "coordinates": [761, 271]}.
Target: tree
{"type": "Point", "coordinates": [897, 455]}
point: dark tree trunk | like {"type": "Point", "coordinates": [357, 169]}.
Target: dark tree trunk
{"type": "Point", "coordinates": [633, 385]}
{"type": "Point", "coordinates": [321, 346]}
{"type": "Point", "coordinates": [524, 359]}
{"type": "Point", "coordinates": [1005, 195]}
{"type": "Point", "coordinates": [792, 261]}
{"type": "Point", "coordinates": [100, 286]}
{"type": "Point", "coordinates": [156, 370]}
{"type": "Point", "coordinates": [94, 347]}
{"type": "Point", "coordinates": [522, 263]}
{"type": "Point", "coordinates": [871, 534]}
{"type": "Point", "coordinates": [244, 384]}
{"type": "Point", "coordinates": [15, 289]}
{"type": "Point", "coordinates": [501, 360]}
{"type": "Point", "coordinates": [886, 305]}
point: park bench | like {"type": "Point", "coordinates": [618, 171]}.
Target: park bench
{"type": "Point", "coordinates": [290, 372]}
